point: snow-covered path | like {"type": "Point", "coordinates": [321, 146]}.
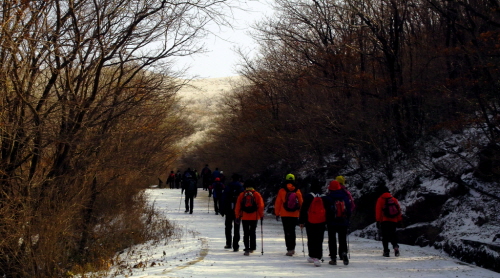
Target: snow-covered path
{"type": "Point", "coordinates": [198, 252]}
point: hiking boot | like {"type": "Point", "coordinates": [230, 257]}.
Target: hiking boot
{"type": "Point", "coordinates": [191, 212]}
{"type": "Point", "coordinates": [227, 247]}
{"type": "Point", "coordinates": [235, 250]}
{"type": "Point", "coordinates": [247, 253]}
{"type": "Point", "coordinates": [290, 253]}
{"type": "Point", "coordinates": [333, 262]}
{"type": "Point", "coordinates": [251, 250]}
{"type": "Point", "coordinates": [310, 260]}
{"type": "Point", "coordinates": [317, 262]}
{"type": "Point", "coordinates": [386, 254]}
{"type": "Point", "coordinates": [396, 252]}
{"type": "Point", "coordinates": [345, 258]}
{"type": "Point", "coordinates": [186, 211]}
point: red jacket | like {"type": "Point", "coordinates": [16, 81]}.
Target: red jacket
{"type": "Point", "coordinates": [379, 209]}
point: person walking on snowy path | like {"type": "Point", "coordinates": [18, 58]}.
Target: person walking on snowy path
{"type": "Point", "coordinates": [313, 218]}
{"type": "Point", "coordinates": [217, 188]}
{"type": "Point", "coordinates": [287, 206]}
{"type": "Point", "coordinates": [387, 215]}
{"type": "Point", "coordinates": [227, 205]}
{"type": "Point", "coordinates": [338, 215]}
{"type": "Point", "coordinates": [189, 188]}
{"type": "Point", "coordinates": [249, 209]}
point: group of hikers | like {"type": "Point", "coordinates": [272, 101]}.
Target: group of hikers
{"type": "Point", "coordinates": [242, 205]}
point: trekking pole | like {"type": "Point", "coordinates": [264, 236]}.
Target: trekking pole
{"type": "Point", "coordinates": [262, 236]}
{"type": "Point", "coordinates": [348, 248]}
{"type": "Point", "coordinates": [208, 205]}
{"type": "Point", "coordinates": [180, 201]}
{"type": "Point", "coordinates": [303, 248]}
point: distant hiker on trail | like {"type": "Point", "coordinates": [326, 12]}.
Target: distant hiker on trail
{"type": "Point", "coordinates": [215, 174]}
{"type": "Point", "coordinates": [287, 206]}
{"type": "Point", "coordinates": [249, 209]}
{"type": "Point", "coordinates": [171, 180]}
{"type": "Point", "coordinates": [216, 188]}
{"type": "Point", "coordinates": [206, 177]}
{"type": "Point", "coordinates": [178, 179]}
{"type": "Point", "coordinates": [222, 177]}
{"type": "Point", "coordinates": [227, 205]}
{"type": "Point", "coordinates": [189, 188]}
{"type": "Point", "coordinates": [387, 215]}
{"type": "Point", "coordinates": [313, 217]}
{"type": "Point", "coordinates": [341, 180]}
{"type": "Point", "coordinates": [338, 214]}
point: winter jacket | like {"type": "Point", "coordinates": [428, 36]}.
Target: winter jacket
{"type": "Point", "coordinates": [279, 210]}
{"type": "Point", "coordinates": [250, 216]}
{"type": "Point", "coordinates": [379, 209]}
{"type": "Point", "coordinates": [217, 188]}
{"type": "Point", "coordinates": [351, 199]}
{"type": "Point", "coordinates": [304, 210]}
{"type": "Point", "coordinates": [229, 197]}
{"type": "Point", "coordinates": [329, 202]}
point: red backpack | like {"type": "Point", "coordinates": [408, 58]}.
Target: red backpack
{"type": "Point", "coordinates": [391, 208]}
{"type": "Point", "coordinates": [316, 213]}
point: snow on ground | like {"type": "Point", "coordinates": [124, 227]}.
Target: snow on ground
{"type": "Point", "coordinates": [197, 251]}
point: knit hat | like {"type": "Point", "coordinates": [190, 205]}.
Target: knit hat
{"type": "Point", "coordinates": [340, 179]}
{"type": "Point", "coordinates": [334, 185]}
{"type": "Point", "coordinates": [290, 177]}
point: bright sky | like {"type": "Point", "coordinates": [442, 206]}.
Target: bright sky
{"type": "Point", "coordinates": [221, 59]}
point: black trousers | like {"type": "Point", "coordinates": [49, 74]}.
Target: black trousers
{"type": "Point", "coordinates": [189, 200]}
{"type": "Point", "coordinates": [216, 205]}
{"type": "Point", "coordinates": [249, 236]}
{"type": "Point", "coordinates": [315, 237]}
{"type": "Point", "coordinates": [389, 234]}
{"type": "Point", "coordinates": [333, 231]}
{"type": "Point", "coordinates": [289, 225]}
{"type": "Point", "coordinates": [231, 240]}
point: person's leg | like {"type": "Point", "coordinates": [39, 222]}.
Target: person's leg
{"type": "Point", "coordinates": [315, 235]}
{"type": "Point", "coordinates": [216, 205]}
{"type": "Point", "coordinates": [228, 228]}
{"type": "Point", "coordinates": [191, 202]}
{"type": "Point", "coordinates": [289, 225]}
{"type": "Point", "coordinates": [246, 235]}
{"type": "Point", "coordinates": [332, 242]}
{"type": "Point", "coordinates": [342, 234]}
{"type": "Point", "coordinates": [236, 237]}
{"type": "Point", "coordinates": [186, 201]}
{"type": "Point", "coordinates": [253, 236]}
{"type": "Point", "coordinates": [386, 236]}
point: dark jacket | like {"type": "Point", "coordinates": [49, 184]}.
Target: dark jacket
{"type": "Point", "coordinates": [229, 197]}
{"type": "Point", "coordinates": [330, 201]}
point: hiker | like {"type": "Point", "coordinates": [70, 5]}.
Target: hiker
{"type": "Point", "coordinates": [178, 179]}
{"type": "Point", "coordinates": [338, 214]}
{"type": "Point", "coordinates": [287, 206]}
{"type": "Point", "coordinates": [227, 205]}
{"type": "Point", "coordinates": [206, 176]}
{"type": "Point", "coordinates": [189, 188]}
{"type": "Point", "coordinates": [171, 180]}
{"type": "Point", "coordinates": [387, 215]}
{"type": "Point", "coordinates": [313, 218]}
{"type": "Point", "coordinates": [341, 180]}
{"type": "Point", "coordinates": [215, 174]}
{"type": "Point", "coordinates": [222, 177]}
{"type": "Point", "coordinates": [249, 209]}
{"type": "Point", "coordinates": [216, 188]}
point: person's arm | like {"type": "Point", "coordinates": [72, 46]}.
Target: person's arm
{"type": "Point", "coordinates": [237, 209]}
{"type": "Point", "coordinates": [261, 205]}
{"type": "Point", "coordinates": [278, 203]}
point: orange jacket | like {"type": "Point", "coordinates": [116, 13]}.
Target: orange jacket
{"type": "Point", "coordinates": [279, 210]}
{"type": "Point", "coordinates": [250, 216]}
{"type": "Point", "coordinates": [379, 209]}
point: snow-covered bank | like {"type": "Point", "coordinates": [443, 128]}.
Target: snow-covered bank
{"type": "Point", "coordinates": [199, 252]}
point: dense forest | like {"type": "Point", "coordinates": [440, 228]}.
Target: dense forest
{"type": "Point", "coordinates": [89, 110]}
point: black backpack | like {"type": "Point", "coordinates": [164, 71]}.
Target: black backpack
{"type": "Point", "coordinates": [248, 203]}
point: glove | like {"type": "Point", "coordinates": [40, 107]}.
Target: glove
{"type": "Point", "coordinates": [237, 221]}
{"type": "Point", "coordinates": [277, 218]}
